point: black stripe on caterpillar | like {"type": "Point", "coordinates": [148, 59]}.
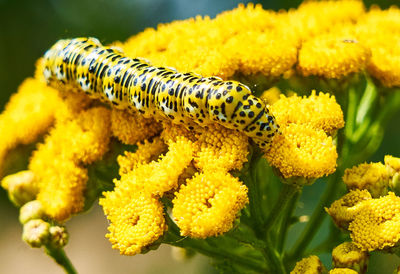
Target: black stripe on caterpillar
{"type": "Point", "coordinates": [185, 98]}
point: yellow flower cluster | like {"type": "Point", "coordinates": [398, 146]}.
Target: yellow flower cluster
{"type": "Point", "coordinates": [374, 223]}
{"type": "Point", "coordinates": [58, 162]}
{"type": "Point", "coordinates": [208, 204]}
{"type": "Point", "coordinates": [245, 40]}
{"type": "Point", "coordinates": [379, 30]}
{"type": "Point", "coordinates": [304, 149]}
{"type": "Point", "coordinates": [372, 176]}
{"type": "Point", "coordinates": [27, 115]}
{"type": "Point", "coordinates": [133, 207]}
{"type": "Point", "coordinates": [309, 265]}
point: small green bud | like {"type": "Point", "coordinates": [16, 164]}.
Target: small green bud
{"type": "Point", "coordinates": [21, 187]}
{"type": "Point", "coordinates": [31, 210]}
{"type": "Point", "coordinates": [36, 233]}
{"type": "Point", "coordinates": [58, 236]}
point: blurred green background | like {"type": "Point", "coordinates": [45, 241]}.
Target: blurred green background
{"type": "Point", "coordinates": [27, 29]}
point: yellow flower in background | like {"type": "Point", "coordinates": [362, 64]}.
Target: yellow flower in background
{"type": "Point", "coordinates": [28, 114]}
{"type": "Point", "coordinates": [393, 169]}
{"type": "Point", "coordinates": [372, 177]}
{"type": "Point", "coordinates": [315, 17]}
{"type": "Point", "coordinates": [302, 151]}
{"type": "Point", "coordinates": [208, 204]}
{"type": "Point", "coordinates": [377, 225]}
{"type": "Point", "coordinates": [332, 56]}
{"type": "Point", "coordinates": [346, 208]}
{"type": "Point", "coordinates": [57, 164]}
{"type": "Point", "coordinates": [309, 265]}
{"type": "Point", "coordinates": [132, 127]}
{"type": "Point", "coordinates": [136, 221]}
{"type": "Point", "coordinates": [221, 148]}
{"type": "Point", "coordinates": [147, 151]}
{"type": "Point", "coordinates": [319, 111]}
{"type": "Point", "coordinates": [234, 42]}
{"type": "Point", "coordinates": [348, 255]}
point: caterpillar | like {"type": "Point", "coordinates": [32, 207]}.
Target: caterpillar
{"type": "Point", "coordinates": [107, 74]}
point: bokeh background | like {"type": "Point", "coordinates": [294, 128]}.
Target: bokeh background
{"type": "Point", "coordinates": [27, 29]}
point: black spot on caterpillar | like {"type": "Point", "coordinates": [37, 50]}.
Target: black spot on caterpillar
{"type": "Point", "coordinates": [163, 93]}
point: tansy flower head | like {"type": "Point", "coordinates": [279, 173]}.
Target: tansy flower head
{"type": "Point", "coordinates": [208, 204]}
{"type": "Point", "coordinates": [57, 163]}
{"type": "Point", "coordinates": [372, 177]}
{"type": "Point", "coordinates": [332, 56]}
{"type": "Point", "coordinates": [320, 111]}
{"type": "Point", "coordinates": [302, 151]}
{"type": "Point", "coordinates": [377, 225]}
{"type": "Point", "coordinates": [27, 115]}
{"type": "Point", "coordinates": [36, 233]}
{"type": "Point", "coordinates": [348, 255]}
{"type": "Point", "coordinates": [316, 17]}
{"type": "Point", "coordinates": [221, 148]}
{"type": "Point", "coordinates": [135, 222]}
{"type": "Point", "coordinates": [345, 209]}
{"type": "Point", "coordinates": [309, 265]}
{"type": "Point", "coordinates": [130, 127]}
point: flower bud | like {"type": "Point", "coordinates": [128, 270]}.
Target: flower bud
{"type": "Point", "coordinates": [30, 211]}
{"type": "Point", "coordinates": [21, 187]}
{"type": "Point", "coordinates": [393, 170]}
{"type": "Point", "coordinates": [348, 255]}
{"type": "Point", "coordinates": [58, 236]}
{"type": "Point", "coordinates": [36, 233]}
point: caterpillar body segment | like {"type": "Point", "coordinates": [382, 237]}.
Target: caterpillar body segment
{"type": "Point", "coordinates": [163, 93]}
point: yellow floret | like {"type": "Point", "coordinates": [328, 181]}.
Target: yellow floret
{"type": "Point", "coordinates": [377, 226]}
{"type": "Point", "coordinates": [319, 111]}
{"type": "Point", "coordinates": [131, 128]}
{"type": "Point", "coordinates": [309, 265]}
{"type": "Point", "coordinates": [221, 148]}
{"type": "Point", "coordinates": [302, 151]}
{"type": "Point", "coordinates": [271, 96]}
{"type": "Point", "coordinates": [135, 223]}
{"type": "Point", "coordinates": [372, 177]}
{"type": "Point", "coordinates": [332, 56]}
{"type": "Point", "coordinates": [343, 271]}
{"type": "Point", "coordinates": [208, 204]}
{"type": "Point", "coordinates": [147, 151]}
{"type": "Point", "coordinates": [346, 208]}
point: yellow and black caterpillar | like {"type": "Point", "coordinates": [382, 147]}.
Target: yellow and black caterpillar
{"type": "Point", "coordinates": [185, 98]}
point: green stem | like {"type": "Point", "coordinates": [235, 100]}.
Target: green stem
{"type": "Point", "coordinates": [285, 196]}
{"type": "Point", "coordinates": [285, 223]}
{"type": "Point", "coordinates": [316, 219]}
{"type": "Point", "coordinates": [58, 254]}
{"type": "Point", "coordinates": [274, 260]}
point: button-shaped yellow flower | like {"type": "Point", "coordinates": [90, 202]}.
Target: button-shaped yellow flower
{"type": "Point", "coordinates": [377, 225]}
{"type": "Point", "coordinates": [348, 255]}
{"type": "Point", "coordinates": [208, 204]}
{"type": "Point", "coordinates": [346, 208]}
{"type": "Point", "coordinates": [372, 176]}
{"type": "Point", "coordinates": [309, 265]}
